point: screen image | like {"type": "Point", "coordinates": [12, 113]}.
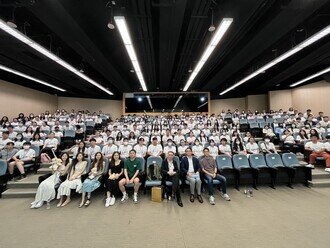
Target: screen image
{"type": "Point", "coordinates": [166, 102]}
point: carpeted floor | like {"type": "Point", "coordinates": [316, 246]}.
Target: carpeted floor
{"type": "Point", "coordinates": [272, 218]}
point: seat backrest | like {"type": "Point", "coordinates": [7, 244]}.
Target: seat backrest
{"type": "Point", "coordinates": [107, 164]}
{"type": "Point", "coordinates": [69, 133]}
{"type": "Point", "coordinates": [158, 160]}
{"type": "Point", "coordinates": [3, 167]}
{"type": "Point", "coordinates": [240, 161]}
{"type": "Point", "coordinates": [89, 163]}
{"type": "Point", "coordinates": [257, 160]}
{"type": "Point", "coordinates": [142, 161]}
{"type": "Point", "coordinates": [224, 162]}
{"type": "Point", "coordinates": [176, 158]}
{"type": "Point", "coordinates": [243, 121]}
{"type": "Point", "coordinates": [254, 125]}
{"type": "Point", "coordinates": [36, 150]}
{"type": "Point", "coordinates": [289, 159]}
{"type": "Point", "coordinates": [273, 159]}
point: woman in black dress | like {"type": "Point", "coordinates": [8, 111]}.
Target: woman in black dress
{"type": "Point", "coordinates": [116, 173]}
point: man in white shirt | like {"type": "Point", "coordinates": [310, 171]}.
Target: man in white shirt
{"type": "Point", "coordinates": [4, 139]}
{"type": "Point", "coordinates": [22, 157]}
{"type": "Point", "coordinates": [12, 133]}
{"type": "Point", "coordinates": [141, 148]}
{"type": "Point", "coordinates": [317, 149]}
{"type": "Point", "coordinates": [155, 149]}
{"type": "Point", "coordinates": [125, 148]}
{"type": "Point", "coordinates": [109, 149]}
{"type": "Point", "coordinates": [325, 123]}
{"type": "Point", "coordinates": [169, 147]}
{"type": "Point", "coordinates": [51, 142]}
{"type": "Point", "coordinates": [93, 149]}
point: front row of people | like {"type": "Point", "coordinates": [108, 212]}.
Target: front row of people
{"type": "Point", "coordinates": [71, 175]}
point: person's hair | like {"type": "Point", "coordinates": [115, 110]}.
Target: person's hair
{"type": "Point", "coordinates": [34, 136]}
{"type": "Point", "coordinates": [119, 137]}
{"type": "Point", "coordinates": [206, 149]}
{"type": "Point", "coordinates": [170, 152]}
{"type": "Point", "coordinates": [10, 143]}
{"type": "Point", "coordinates": [21, 139]}
{"type": "Point", "coordinates": [314, 135]}
{"type": "Point", "coordinates": [304, 135]}
{"type": "Point", "coordinates": [99, 163]}
{"type": "Point", "coordinates": [5, 132]}
{"type": "Point", "coordinates": [81, 150]}
{"type": "Point", "coordinates": [235, 145]}
{"type": "Point", "coordinates": [112, 162]}
{"type": "Point", "coordinates": [74, 162]}
{"type": "Point", "coordinates": [327, 137]}
{"type": "Point", "coordinates": [266, 137]}
{"type": "Point", "coordinates": [132, 151]}
{"type": "Point", "coordinates": [315, 132]}
{"type": "Point", "coordinates": [188, 148]}
{"type": "Point", "coordinates": [92, 139]}
{"type": "Point", "coordinates": [27, 143]}
{"type": "Point", "coordinates": [223, 139]}
{"type": "Point", "coordinates": [68, 160]}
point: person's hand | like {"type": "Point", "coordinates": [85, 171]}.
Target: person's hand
{"type": "Point", "coordinates": [127, 181]}
{"type": "Point", "coordinates": [116, 176]}
{"type": "Point", "coordinates": [189, 174]}
{"type": "Point", "coordinates": [214, 174]}
{"type": "Point", "coordinates": [131, 181]}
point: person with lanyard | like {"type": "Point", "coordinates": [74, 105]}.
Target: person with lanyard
{"type": "Point", "coordinates": [155, 149]}
{"type": "Point", "coordinates": [267, 146]}
{"type": "Point", "coordinates": [132, 168]}
{"type": "Point", "coordinates": [21, 158]}
{"type": "Point", "coordinates": [170, 172]}
{"type": "Point", "coordinates": [140, 148]}
{"type": "Point", "coordinates": [190, 168]}
{"type": "Point", "coordinates": [209, 168]}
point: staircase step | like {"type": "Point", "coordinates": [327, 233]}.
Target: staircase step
{"type": "Point", "coordinates": [319, 183]}
{"type": "Point", "coordinates": [319, 173]}
{"type": "Point", "coordinates": [30, 182]}
{"type": "Point", "coordinates": [45, 165]}
{"type": "Point", "coordinates": [44, 171]}
{"type": "Point", "coordinates": [19, 193]}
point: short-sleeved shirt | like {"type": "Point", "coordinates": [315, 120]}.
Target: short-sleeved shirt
{"type": "Point", "coordinates": [24, 155]}
{"type": "Point", "coordinates": [116, 168]}
{"type": "Point", "coordinates": [315, 147]}
{"type": "Point", "coordinates": [132, 166]}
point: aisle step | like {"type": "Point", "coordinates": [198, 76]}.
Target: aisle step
{"type": "Point", "coordinates": [44, 171]}
{"type": "Point", "coordinates": [319, 183]}
{"type": "Point", "coordinates": [30, 182]}
{"type": "Point", "coordinates": [19, 193]}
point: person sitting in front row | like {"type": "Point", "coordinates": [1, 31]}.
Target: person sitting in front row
{"type": "Point", "coordinates": [191, 171]}
{"type": "Point", "coordinates": [132, 167]}
{"type": "Point", "coordinates": [316, 149]}
{"type": "Point", "coordinates": [209, 168]}
{"type": "Point", "coordinates": [170, 172]}
{"type": "Point", "coordinates": [21, 158]}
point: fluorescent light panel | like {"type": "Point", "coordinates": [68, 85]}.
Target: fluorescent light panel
{"type": "Point", "coordinates": [311, 77]}
{"type": "Point", "coordinates": [149, 101]}
{"type": "Point", "coordinates": [319, 35]}
{"type": "Point", "coordinates": [177, 102]}
{"type": "Point", "coordinates": [125, 35]}
{"type": "Point", "coordinates": [21, 74]}
{"type": "Point", "coordinates": [219, 33]}
{"type": "Point", "coordinates": [23, 38]}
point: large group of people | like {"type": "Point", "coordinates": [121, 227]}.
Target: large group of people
{"type": "Point", "coordinates": [106, 156]}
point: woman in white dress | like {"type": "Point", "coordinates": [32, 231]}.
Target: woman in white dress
{"type": "Point", "coordinates": [46, 190]}
{"type": "Point", "coordinates": [73, 181]}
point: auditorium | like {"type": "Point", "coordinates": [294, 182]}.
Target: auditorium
{"type": "Point", "coordinates": [164, 123]}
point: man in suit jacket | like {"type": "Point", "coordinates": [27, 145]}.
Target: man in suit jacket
{"type": "Point", "coordinates": [170, 172]}
{"type": "Point", "coordinates": [190, 168]}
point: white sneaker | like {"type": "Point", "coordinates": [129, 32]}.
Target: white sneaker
{"type": "Point", "coordinates": [124, 198]}
{"type": "Point", "coordinates": [33, 205]}
{"type": "Point", "coordinates": [212, 202]}
{"type": "Point", "coordinates": [327, 169]}
{"type": "Point", "coordinates": [107, 202]}
{"type": "Point", "coordinates": [310, 166]}
{"type": "Point", "coordinates": [112, 201]}
{"type": "Point", "coordinates": [225, 196]}
{"type": "Point", "coordinates": [135, 199]}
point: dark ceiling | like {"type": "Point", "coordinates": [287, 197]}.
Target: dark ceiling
{"type": "Point", "coordinates": [169, 37]}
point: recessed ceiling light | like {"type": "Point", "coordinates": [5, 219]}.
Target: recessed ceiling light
{"type": "Point", "coordinates": [111, 25]}
{"type": "Point", "coordinates": [277, 85]}
{"type": "Point", "coordinates": [140, 99]}
{"type": "Point", "coordinates": [223, 27]}
{"type": "Point", "coordinates": [21, 74]}
{"type": "Point", "coordinates": [23, 38]}
{"type": "Point", "coordinates": [12, 24]}
{"type": "Point", "coordinates": [132, 70]}
{"type": "Point", "coordinates": [317, 36]}
{"type": "Point", "coordinates": [125, 35]}
{"type": "Point", "coordinates": [311, 77]}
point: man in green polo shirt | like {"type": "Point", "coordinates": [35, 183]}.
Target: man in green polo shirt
{"type": "Point", "coordinates": [132, 167]}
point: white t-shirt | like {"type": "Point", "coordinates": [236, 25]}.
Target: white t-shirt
{"type": "Point", "coordinates": [108, 150]}
{"type": "Point", "coordinates": [288, 139]}
{"type": "Point", "coordinates": [214, 151]}
{"type": "Point", "coordinates": [197, 150]}
{"type": "Point", "coordinates": [25, 154]}
{"type": "Point", "coordinates": [225, 149]}
{"type": "Point", "coordinates": [154, 150]}
{"type": "Point", "coordinates": [51, 143]}
{"type": "Point", "coordinates": [269, 146]}
{"type": "Point", "coordinates": [182, 149]}
{"type": "Point", "coordinates": [254, 148]}
{"type": "Point", "coordinates": [327, 146]}
{"type": "Point", "coordinates": [168, 148]}
{"type": "Point", "coordinates": [3, 142]}
{"type": "Point", "coordinates": [141, 151]}
{"type": "Point", "coordinates": [124, 150]}
{"type": "Point", "coordinates": [91, 151]}
{"type": "Point", "coordinates": [315, 147]}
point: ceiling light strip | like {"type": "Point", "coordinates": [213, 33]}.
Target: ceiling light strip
{"type": "Point", "coordinates": [125, 35]}
{"type": "Point", "coordinates": [219, 33]}
{"type": "Point", "coordinates": [177, 102]}
{"type": "Point", "coordinates": [23, 38]}
{"type": "Point", "coordinates": [311, 77]}
{"type": "Point", "coordinates": [149, 101]}
{"type": "Point", "coordinates": [319, 35]}
{"type": "Point", "coordinates": [5, 68]}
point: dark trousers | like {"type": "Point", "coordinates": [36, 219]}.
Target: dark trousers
{"type": "Point", "coordinates": [112, 186]}
{"type": "Point", "coordinates": [175, 182]}
{"type": "Point", "coordinates": [221, 179]}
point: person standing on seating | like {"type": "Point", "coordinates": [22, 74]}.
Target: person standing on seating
{"type": "Point", "coordinates": [170, 172]}
{"type": "Point", "coordinates": [46, 190]}
{"type": "Point", "coordinates": [73, 181]}
{"type": "Point", "coordinates": [92, 182]}
{"type": "Point", "coordinates": [316, 149]}
{"type": "Point", "coordinates": [132, 168]}
{"type": "Point", "coordinates": [191, 171]}
{"type": "Point", "coordinates": [210, 169]}
{"type": "Point", "coordinates": [21, 158]}
{"type": "Point", "coordinates": [116, 173]}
